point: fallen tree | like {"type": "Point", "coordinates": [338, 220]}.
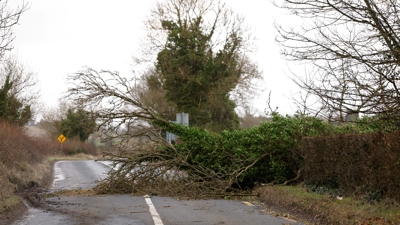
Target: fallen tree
{"type": "Point", "coordinates": [201, 161]}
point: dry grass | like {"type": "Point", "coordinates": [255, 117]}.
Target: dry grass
{"type": "Point", "coordinates": [26, 158]}
{"type": "Point", "coordinates": [327, 209]}
{"type": "Point", "coordinates": [22, 160]}
{"type": "Point", "coordinates": [79, 156]}
{"type": "Point", "coordinates": [8, 203]}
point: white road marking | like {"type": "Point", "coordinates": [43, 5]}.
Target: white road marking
{"type": "Point", "coordinates": [156, 217]}
{"type": "Point", "coordinates": [57, 175]}
{"type": "Point", "coordinates": [153, 212]}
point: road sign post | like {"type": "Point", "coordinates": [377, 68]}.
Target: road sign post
{"type": "Point", "coordinates": [181, 118]}
{"type": "Point", "coordinates": [61, 139]}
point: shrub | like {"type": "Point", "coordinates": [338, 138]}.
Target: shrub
{"type": "Point", "coordinates": [21, 159]}
{"type": "Point", "coordinates": [264, 153]}
{"type": "Point", "coordinates": [76, 146]}
{"type": "Point", "coordinates": [363, 164]}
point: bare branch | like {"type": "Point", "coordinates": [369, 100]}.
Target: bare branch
{"type": "Point", "coordinates": [353, 47]}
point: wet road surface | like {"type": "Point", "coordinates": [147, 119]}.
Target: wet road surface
{"type": "Point", "coordinates": [135, 210]}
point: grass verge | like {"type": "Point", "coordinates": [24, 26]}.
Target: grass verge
{"type": "Point", "coordinates": [8, 203]}
{"type": "Point", "coordinates": [312, 208]}
{"type": "Point", "coordinates": [10, 209]}
{"type": "Point", "coordinates": [79, 156]}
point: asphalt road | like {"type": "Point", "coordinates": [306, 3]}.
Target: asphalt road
{"type": "Point", "coordinates": [78, 174]}
{"type": "Point", "coordinates": [135, 210]}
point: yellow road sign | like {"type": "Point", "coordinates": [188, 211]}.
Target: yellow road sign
{"type": "Point", "coordinates": [61, 138]}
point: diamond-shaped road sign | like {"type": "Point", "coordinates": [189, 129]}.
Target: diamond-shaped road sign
{"type": "Point", "coordinates": [61, 138]}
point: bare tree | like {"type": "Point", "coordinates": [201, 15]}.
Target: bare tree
{"type": "Point", "coordinates": [8, 19]}
{"type": "Point", "coordinates": [25, 83]}
{"type": "Point", "coordinates": [53, 117]}
{"type": "Point", "coordinates": [119, 105]}
{"type": "Point", "coordinates": [353, 47]}
{"type": "Point", "coordinates": [152, 95]}
{"type": "Point", "coordinates": [116, 100]}
{"type": "Point", "coordinates": [23, 88]}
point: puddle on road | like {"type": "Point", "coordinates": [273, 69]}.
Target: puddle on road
{"type": "Point", "coordinates": [38, 216]}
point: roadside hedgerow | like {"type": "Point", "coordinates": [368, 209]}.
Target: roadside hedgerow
{"type": "Point", "coordinates": [226, 161]}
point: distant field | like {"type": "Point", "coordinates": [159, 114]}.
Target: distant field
{"type": "Point", "coordinates": [34, 131]}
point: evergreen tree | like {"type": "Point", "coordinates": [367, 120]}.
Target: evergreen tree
{"type": "Point", "coordinates": [78, 123]}
{"type": "Point", "coordinates": [11, 109]}
{"type": "Point", "coordinates": [198, 80]}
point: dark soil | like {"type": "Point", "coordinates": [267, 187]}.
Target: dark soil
{"type": "Point", "coordinates": [283, 205]}
{"type": "Point", "coordinates": [34, 198]}
{"type": "Point", "coordinates": [31, 195]}
{"type": "Point", "coordinates": [288, 211]}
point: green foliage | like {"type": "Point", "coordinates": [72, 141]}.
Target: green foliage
{"type": "Point", "coordinates": [377, 123]}
{"type": "Point", "coordinates": [78, 124]}
{"type": "Point", "coordinates": [264, 153]}
{"type": "Point", "coordinates": [197, 79]}
{"type": "Point", "coordinates": [269, 152]}
{"type": "Point", "coordinates": [11, 109]}
{"type": "Point", "coordinates": [275, 151]}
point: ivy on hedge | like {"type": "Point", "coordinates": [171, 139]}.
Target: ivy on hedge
{"type": "Point", "coordinates": [273, 145]}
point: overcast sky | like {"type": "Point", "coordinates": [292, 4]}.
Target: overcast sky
{"type": "Point", "coordinates": [58, 37]}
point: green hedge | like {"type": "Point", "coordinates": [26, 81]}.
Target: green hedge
{"type": "Point", "coordinates": [273, 146]}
